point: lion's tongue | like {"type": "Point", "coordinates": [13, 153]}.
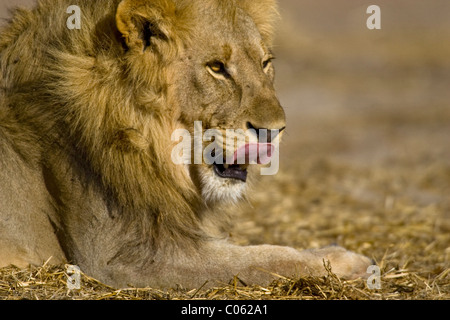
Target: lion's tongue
{"type": "Point", "coordinates": [260, 153]}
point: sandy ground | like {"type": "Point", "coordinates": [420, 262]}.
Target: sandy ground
{"type": "Point", "coordinates": [366, 159]}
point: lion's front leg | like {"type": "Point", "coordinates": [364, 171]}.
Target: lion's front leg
{"type": "Point", "coordinates": [290, 262]}
{"type": "Point", "coordinates": [218, 262]}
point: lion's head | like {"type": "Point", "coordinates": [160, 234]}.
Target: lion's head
{"type": "Point", "coordinates": [218, 61]}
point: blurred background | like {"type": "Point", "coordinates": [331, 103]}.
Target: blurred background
{"type": "Point", "coordinates": [366, 158]}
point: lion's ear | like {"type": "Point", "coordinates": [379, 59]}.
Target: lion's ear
{"type": "Point", "coordinates": [142, 21]}
{"type": "Point", "coordinates": [265, 14]}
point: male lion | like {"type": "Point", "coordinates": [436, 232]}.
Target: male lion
{"type": "Point", "coordinates": [86, 117]}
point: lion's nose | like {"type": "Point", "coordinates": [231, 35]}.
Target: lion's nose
{"type": "Point", "coordinates": [264, 112]}
{"type": "Point", "coordinates": [265, 134]}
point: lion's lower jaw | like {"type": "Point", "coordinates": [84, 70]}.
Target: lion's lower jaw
{"type": "Point", "coordinates": [219, 190]}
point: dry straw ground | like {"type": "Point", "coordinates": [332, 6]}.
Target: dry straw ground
{"type": "Point", "coordinates": [365, 163]}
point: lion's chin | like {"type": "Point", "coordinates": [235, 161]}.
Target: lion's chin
{"type": "Point", "coordinates": [223, 185]}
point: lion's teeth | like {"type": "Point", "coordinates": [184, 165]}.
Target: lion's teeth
{"type": "Point", "coordinates": [226, 166]}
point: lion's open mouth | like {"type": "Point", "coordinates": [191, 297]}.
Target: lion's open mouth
{"type": "Point", "coordinates": [256, 153]}
{"type": "Point", "coordinates": [235, 171]}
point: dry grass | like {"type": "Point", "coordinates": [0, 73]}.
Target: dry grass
{"type": "Point", "coordinates": [49, 283]}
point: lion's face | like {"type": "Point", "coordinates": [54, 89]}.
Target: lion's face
{"type": "Point", "coordinates": [221, 76]}
{"type": "Point", "coordinates": [226, 82]}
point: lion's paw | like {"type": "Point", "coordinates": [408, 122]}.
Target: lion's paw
{"type": "Point", "coordinates": [345, 264]}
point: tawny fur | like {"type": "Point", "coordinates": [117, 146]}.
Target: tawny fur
{"type": "Point", "coordinates": [86, 118]}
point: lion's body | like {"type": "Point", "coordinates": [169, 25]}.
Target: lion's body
{"type": "Point", "coordinates": [86, 118]}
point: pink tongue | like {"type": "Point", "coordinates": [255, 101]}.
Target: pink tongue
{"type": "Point", "coordinates": [260, 153]}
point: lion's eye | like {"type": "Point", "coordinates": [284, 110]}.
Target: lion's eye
{"type": "Point", "coordinates": [267, 63]}
{"type": "Point", "coordinates": [217, 67]}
